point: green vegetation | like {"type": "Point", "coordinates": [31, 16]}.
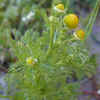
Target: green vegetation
{"type": "Point", "coordinates": [47, 52]}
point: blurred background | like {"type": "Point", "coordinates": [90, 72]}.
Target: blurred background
{"type": "Point", "coordinates": [13, 18]}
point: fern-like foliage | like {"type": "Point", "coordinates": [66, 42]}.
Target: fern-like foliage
{"type": "Point", "coordinates": [58, 57]}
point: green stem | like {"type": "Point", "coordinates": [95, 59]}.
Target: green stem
{"type": "Point", "coordinates": [51, 38]}
{"type": "Point", "coordinates": [51, 35]}
{"type": "Point", "coordinates": [67, 41]}
{"type": "Point", "coordinates": [92, 19]}
{"type": "Point", "coordinates": [1, 96]}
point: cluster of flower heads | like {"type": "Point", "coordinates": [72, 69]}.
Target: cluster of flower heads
{"type": "Point", "coordinates": [71, 21]}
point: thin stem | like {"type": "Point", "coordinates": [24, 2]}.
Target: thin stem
{"type": "Point", "coordinates": [2, 96]}
{"type": "Point", "coordinates": [92, 19]}
{"type": "Point", "coordinates": [70, 40]}
{"type": "Point", "coordinates": [89, 93]}
{"type": "Point", "coordinates": [51, 38]}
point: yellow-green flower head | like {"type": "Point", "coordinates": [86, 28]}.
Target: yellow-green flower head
{"type": "Point", "coordinates": [59, 8]}
{"type": "Point", "coordinates": [31, 61]}
{"type": "Point", "coordinates": [80, 34]}
{"type": "Point", "coordinates": [71, 20]}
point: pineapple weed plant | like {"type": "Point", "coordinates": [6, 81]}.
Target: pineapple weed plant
{"type": "Point", "coordinates": [51, 57]}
